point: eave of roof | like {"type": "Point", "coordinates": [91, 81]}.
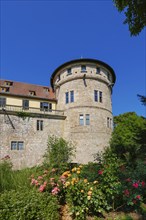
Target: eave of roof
{"type": "Point", "coordinates": [84, 60]}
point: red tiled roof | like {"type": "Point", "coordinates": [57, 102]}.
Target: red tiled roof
{"type": "Point", "coordinates": [24, 89]}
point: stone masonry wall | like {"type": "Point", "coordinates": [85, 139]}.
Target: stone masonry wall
{"type": "Point", "coordinates": [35, 141]}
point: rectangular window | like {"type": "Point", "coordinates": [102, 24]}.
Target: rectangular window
{"type": "Point", "coordinates": [66, 97]}
{"type": "Point", "coordinates": [2, 102]}
{"type": "Point", "coordinates": [95, 95]}
{"type": "Point", "coordinates": [39, 125]}
{"type": "Point", "coordinates": [81, 119]}
{"type": "Point", "coordinates": [69, 71]}
{"type": "Point", "coordinates": [87, 119]}
{"type": "Point", "coordinates": [25, 104]}
{"type": "Point", "coordinates": [44, 106]}
{"type": "Point", "coordinates": [50, 106]}
{"type": "Point", "coordinates": [17, 145]}
{"type": "Point", "coordinates": [97, 70]}
{"type": "Point", "coordinates": [108, 122]}
{"type": "Point", "coordinates": [100, 96]}
{"type": "Point", "coordinates": [71, 96]}
{"type": "Point", "coordinates": [83, 68]}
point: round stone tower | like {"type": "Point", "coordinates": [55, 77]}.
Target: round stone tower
{"type": "Point", "coordinates": [83, 89]}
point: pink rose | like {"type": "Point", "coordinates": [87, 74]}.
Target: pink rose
{"type": "Point", "coordinates": [100, 172]}
{"type": "Point", "coordinates": [135, 185]}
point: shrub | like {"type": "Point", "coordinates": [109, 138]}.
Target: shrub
{"type": "Point", "coordinates": [89, 171]}
{"type": "Point", "coordinates": [59, 153]}
{"type": "Point", "coordinates": [28, 204]}
{"type": "Point", "coordinates": [6, 174]}
{"type": "Point", "coordinates": [15, 179]}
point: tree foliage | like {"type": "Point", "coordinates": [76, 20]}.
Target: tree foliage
{"type": "Point", "coordinates": [59, 152]}
{"type": "Point", "coordinates": [128, 138]}
{"type": "Point", "coordinates": [135, 12]}
{"type": "Point", "coordinates": [142, 99]}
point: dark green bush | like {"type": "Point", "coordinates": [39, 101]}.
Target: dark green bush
{"type": "Point", "coordinates": [90, 171]}
{"type": "Point", "coordinates": [59, 153]}
{"type": "Point", "coordinates": [28, 205]}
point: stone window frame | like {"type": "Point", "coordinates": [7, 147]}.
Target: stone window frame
{"type": "Point", "coordinates": [39, 125]}
{"type": "Point", "coordinates": [98, 69]}
{"type": "Point", "coordinates": [81, 119]}
{"type": "Point", "coordinates": [83, 69]}
{"type": "Point", "coordinates": [15, 145]}
{"type": "Point", "coordinates": [109, 123]}
{"type": "Point", "coordinates": [84, 119]}
{"type": "Point", "coordinates": [69, 71]}
{"type": "Point", "coordinates": [66, 97]}
{"type": "Point", "coordinates": [72, 96]}
{"type": "Point", "coordinates": [98, 96]}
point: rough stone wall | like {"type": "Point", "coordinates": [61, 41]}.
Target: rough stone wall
{"type": "Point", "coordinates": [35, 142]}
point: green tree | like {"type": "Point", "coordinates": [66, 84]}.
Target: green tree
{"type": "Point", "coordinates": [135, 12]}
{"type": "Point", "coordinates": [59, 152]}
{"type": "Point", "coordinates": [142, 99]}
{"type": "Point", "coordinates": [128, 139]}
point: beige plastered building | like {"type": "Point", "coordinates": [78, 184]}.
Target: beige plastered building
{"type": "Point", "coordinates": [77, 106]}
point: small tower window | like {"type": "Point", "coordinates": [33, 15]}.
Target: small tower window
{"type": "Point", "coordinates": [83, 68]}
{"type": "Point", "coordinates": [71, 96]}
{"type": "Point", "coordinates": [66, 97]}
{"type": "Point", "coordinates": [98, 70]}
{"type": "Point", "coordinates": [95, 95]}
{"type": "Point", "coordinates": [87, 119]}
{"type": "Point", "coordinates": [69, 71]}
{"type": "Point", "coordinates": [100, 96]}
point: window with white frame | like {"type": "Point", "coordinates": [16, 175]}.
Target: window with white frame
{"type": "Point", "coordinates": [69, 97]}
{"type": "Point", "coordinates": [45, 106]}
{"type": "Point", "coordinates": [98, 96]}
{"type": "Point", "coordinates": [81, 119]}
{"type": "Point", "coordinates": [39, 125]}
{"type": "Point", "coordinates": [87, 117]}
{"type": "Point", "coordinates": [84, 119]}
{"type": "Point", "coordinates": [17, 145]}
{"type": "Point", "coordinates": [109, 122]}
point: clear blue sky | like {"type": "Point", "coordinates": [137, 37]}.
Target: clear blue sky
{"type": "Point", "coordinates": [38, 36]}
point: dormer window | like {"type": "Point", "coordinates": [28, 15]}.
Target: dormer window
{"type": "Point", "coordinates": [46, 89]}
{"type": "Point", "coordinates": [8, 83]}
{"type": "Point", "coordinates": [32, 93]}
{"type": "Point", "coordinates": [97, 70]}
{"type": "Point", "coordinates": [4, 89]}
{"type": "Point", "coordinates": [83, 68]}
{"type": "Point", "coordinates": [69, 71]}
